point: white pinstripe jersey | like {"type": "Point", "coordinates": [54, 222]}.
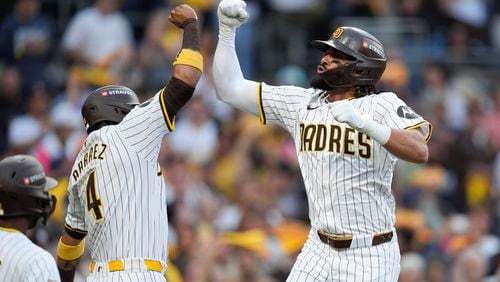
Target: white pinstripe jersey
{"type": "Point", "coordinates": [347, 175]}
{"type": "Point", "coordinates": [116, 191]}
{"type": "Point", "coordinates": [23, 261]}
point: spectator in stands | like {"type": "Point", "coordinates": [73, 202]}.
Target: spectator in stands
{"type": "Point", "coordinates": [412, 267]}
{"type": "Point", "coordinates": [11, 102]}
{"type": "Point", "coordinates": [158, 47]}
{"type": "Point", "coordinates": [26, 39]}
{"type": "Point", "coordinates": [469, 266]}
{"type": "Point", "coordinates": [196, 135]}
{"type": "Point", "coordinates": [60, 144]}
{"type": "Point", "coordinates": [491, 121]}
{"type": "Point", "coordinates": [24, 132]}
{"type": "Point", "coordinates": [26, 129]}
{"type": "Point", "coordinates": [100, 37]}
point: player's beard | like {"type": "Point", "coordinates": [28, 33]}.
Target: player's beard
{"type": "Point", "coordinates": [318, 83]}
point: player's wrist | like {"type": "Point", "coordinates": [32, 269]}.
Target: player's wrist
{"type": "Point", "coordinates": [189, 57]}
{"type": "Point", "coordinates": [70, 252]}
{"type": "Point", "coordinates": [378, 132]}
{"type": "Point", "coordinates": [190, 21]}
{"type": "Point", "coordinates": [227, 34]}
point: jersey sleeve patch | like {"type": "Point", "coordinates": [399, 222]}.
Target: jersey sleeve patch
{"type": "Point", "coordinates": [407, 112]}
{"type": "Point", "coordinates": [169, 121]}
{"type": "Point", "coordinates": [262, 115]}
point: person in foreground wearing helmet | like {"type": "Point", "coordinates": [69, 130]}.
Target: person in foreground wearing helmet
{"type": "Point", "coordinates": [348, 138]}
{"type": "Point", "coordinates": [116, 190]}
{"type": "Point", "coordinates": [24, 200]}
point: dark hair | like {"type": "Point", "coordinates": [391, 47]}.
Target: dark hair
{"type": "Point", "coordinates": [363, 90]}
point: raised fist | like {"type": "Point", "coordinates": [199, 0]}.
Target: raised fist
{"type": "Point", "coordinates": [181, 15]}
{"type": "Point", "coordinates": [232, 13]}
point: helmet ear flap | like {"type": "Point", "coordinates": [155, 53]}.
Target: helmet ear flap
{"type": "Point", "coordinates": [48, 207]}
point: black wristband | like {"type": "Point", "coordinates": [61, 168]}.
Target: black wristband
{"type": "Point", "coordinates": [191, 39]}
{"type": "Point", "coordinates": [75, 233]}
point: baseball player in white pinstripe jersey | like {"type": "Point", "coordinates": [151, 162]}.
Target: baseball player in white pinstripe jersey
{"type": "Point", "coordinates": [116, 191]}
{"type": "Point", "coordinates": [24, 199]}
{"type": "Point", "coordinates": [348, 138]}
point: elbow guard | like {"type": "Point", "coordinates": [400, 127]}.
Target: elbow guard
{"type": "Point", "coordinates": [173, 97]}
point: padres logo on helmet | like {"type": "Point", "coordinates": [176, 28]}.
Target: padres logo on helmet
{"type": "Point", "coordinates": [338, 32]}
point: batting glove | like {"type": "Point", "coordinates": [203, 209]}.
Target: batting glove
{"type": "Point", "coordinates": [343, 111]}
{"type": "Point", "coordinates": [232, 13]}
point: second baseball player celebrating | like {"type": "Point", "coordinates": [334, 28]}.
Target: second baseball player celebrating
{"type": "Point", "coordinates": [348, 138]}
{"type": "Point", "coordinates": [116, 192]}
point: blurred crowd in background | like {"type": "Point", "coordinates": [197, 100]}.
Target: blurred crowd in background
{"type": "Point", "coordinates": [236, 201]}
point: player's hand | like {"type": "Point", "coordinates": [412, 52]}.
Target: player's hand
{"type": "Point", "coordinates": [181, 15]}
{"type": "Point", "coordinates": [232, 13]}
{"type": "Point", "coordinates": [343, 111]}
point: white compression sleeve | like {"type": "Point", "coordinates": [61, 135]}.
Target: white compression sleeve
{"type": "Point", "coordinates": [230, 84]}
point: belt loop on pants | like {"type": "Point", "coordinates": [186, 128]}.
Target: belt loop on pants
{"type": "Point", "coordinates": [127, 264]}
{"type": "Point", "coordinates": [345, 242]}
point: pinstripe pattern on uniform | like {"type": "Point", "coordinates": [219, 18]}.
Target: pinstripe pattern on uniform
{"type": "Point", "coordinates": [21, 260]}
{"type": "Point", "coordinates": [313, 253]}
{"type": "Point", "coordinates": [283, 105]}
{"type": "Point", "coordinates": [121, 276]}
{"type": "Point", "coordinates": [144, 127]}
{"type": "Point", "coordinates": [319, 262]}
{"type": "Point", "coordinates": [132, 194]}
{"type": "Point", "coordinates": [348, 193]}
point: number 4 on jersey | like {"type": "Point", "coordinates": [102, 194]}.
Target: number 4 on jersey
{"type": "Point", "coordinates": [94, 203]}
